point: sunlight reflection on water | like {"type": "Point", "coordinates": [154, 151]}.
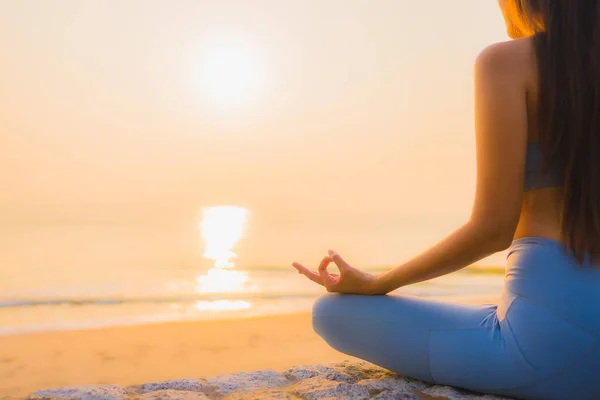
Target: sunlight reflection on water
{"type": "Point", "coordinates": [223, 305]}
{"type": "Point", "coordinates": [221, 281]}
{"type": "Point", "coordinates": [221, 228]}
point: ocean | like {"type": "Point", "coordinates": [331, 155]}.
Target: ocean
{"type": "Point", "coordinates": [66, 277]}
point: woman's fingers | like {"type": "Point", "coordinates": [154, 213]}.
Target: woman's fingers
{"type": "Point", "coordinates": [323, 273]}
{"type": "Point", "coordinates": [323, 277]}
{"type": "Point", "coordinates": [324, 263]}
{"type": "Point", "coordinates": [313, 276]}
{"type": "Point", "coordinates": [337, 259]}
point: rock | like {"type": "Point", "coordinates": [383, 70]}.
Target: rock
{"type": "Point", "coordinates": [262, 395]}
{"type": "Point", "coordinates": [247, 382]}
{"type": "Point", "coordinates": [362, 370]}
{"type": "Point", "coordinates": [95, 392]}
{"type": "Point", "coordinates": [310, 371]}
{"type": "Point", "coordinates": [318, 388]}
{"type": "Point", "coordinates": [444, 391]}
{"type": "Point", "coordinates": [395, 395]}
{"type": "Point", "coordinates": [171, 394]}
{"type": "Point", "coordinates": [451, 393]}
{"type": "Point", "coordinates": [346, 380]}
{"type": "Point", "coordinates": [189, 385]}
{"type": "Point", "coordinates": [394, 383]}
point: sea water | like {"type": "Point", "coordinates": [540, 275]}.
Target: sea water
{"type": "Point", "coordinates": [78, 277]}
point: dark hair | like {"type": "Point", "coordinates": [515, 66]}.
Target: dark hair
{"type": "Point", "coordinates": [567, 45]}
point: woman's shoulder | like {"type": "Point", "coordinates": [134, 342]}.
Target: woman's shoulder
{"type": "Point", "coordinates": [514, 58]}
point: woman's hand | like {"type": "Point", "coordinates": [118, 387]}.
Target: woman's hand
{"type": "Point", "coordinates": [349, 281]}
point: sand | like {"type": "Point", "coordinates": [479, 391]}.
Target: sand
{"type": "Point", "coordinates": [145, 353]}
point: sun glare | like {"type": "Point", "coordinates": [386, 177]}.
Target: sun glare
{"type": "Point", "coordinates": [222, 305]}
{"type": "Point", "coordinates": [221, 228]}
{"type": "Point", "coordinates": [232, 74]}
{"type": "Point", "coordinates": [219, 280]}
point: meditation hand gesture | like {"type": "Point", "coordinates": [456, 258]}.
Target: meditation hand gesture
{"type": "Point", "coordinates": [349, 281]}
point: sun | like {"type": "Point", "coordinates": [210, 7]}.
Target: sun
{"type": "Point", "coordinates": [232, 74]}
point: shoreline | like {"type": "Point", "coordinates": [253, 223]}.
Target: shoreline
{"type": "Point", "coordinates": [218, 315]}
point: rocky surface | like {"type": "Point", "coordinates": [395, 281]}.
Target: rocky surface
{"type": "Point", "coordinates": [347, 380]}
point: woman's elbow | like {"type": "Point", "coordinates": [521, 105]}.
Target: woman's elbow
{"type": "Point", "coordinates": [495, 236]}
{"type": "Point", "coordinates": [501, 242]}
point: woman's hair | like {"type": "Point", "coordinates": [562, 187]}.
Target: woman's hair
{"type": "Point", "coordinates": [567, 45]}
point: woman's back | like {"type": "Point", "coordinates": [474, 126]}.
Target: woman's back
{"type": "Point", "coordinates": [540, 269]}
{"type": "Point", "coordinates": [540, 210]}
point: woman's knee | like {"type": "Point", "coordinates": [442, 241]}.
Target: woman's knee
{"type": "Point", "coordinates": [326, 305]}
{"type": "Point", "coordinates": [324, 313]}
{"type": "Point", "coordinates": [349, 324]}
{"type": "Point", "coordinates": [335, 314]}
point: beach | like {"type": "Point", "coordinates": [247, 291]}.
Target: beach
{"type": "Point", "coordinates": [144, 353]}
{"type": "Point", "coordinates": [128, 355]}
{"type": "Point", "coordinates": [134, 317]}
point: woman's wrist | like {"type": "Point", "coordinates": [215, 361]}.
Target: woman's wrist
{"type": "Point", "coordinates": [389, 281]}
{"type": "Point", "coordinates": [380, 285]}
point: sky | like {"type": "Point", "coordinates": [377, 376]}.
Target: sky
{"type": "Point", "coordinates": [343, 123]}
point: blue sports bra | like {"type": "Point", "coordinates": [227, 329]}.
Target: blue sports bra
{"type": "Point", "coordinates": [532, 167]}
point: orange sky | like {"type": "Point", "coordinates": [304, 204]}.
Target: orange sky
{"type": "Point", "coordinates": [363, 111]}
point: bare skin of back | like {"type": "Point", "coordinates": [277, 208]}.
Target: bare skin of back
{"type": "Point", "coordinates": [540, 210]}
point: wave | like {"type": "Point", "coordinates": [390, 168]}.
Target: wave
{"type": "Point", "coordinates": [267, 268]}
{"type": "Point", "coordinates": [425, 291]}
{"type": "Point", "coordinates": [20, 303]}
{"type": "Point", "coordinates": [471, 270]}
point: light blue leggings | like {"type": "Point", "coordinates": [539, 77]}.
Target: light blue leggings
{"type": "Point", "coordinates": [540, 342]}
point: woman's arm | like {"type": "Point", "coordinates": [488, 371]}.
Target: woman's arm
{"type": "Point", "coordinates": [501, 73]}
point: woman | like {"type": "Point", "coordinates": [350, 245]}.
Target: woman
{"type": "Point", "coordinates": [538, 193]}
